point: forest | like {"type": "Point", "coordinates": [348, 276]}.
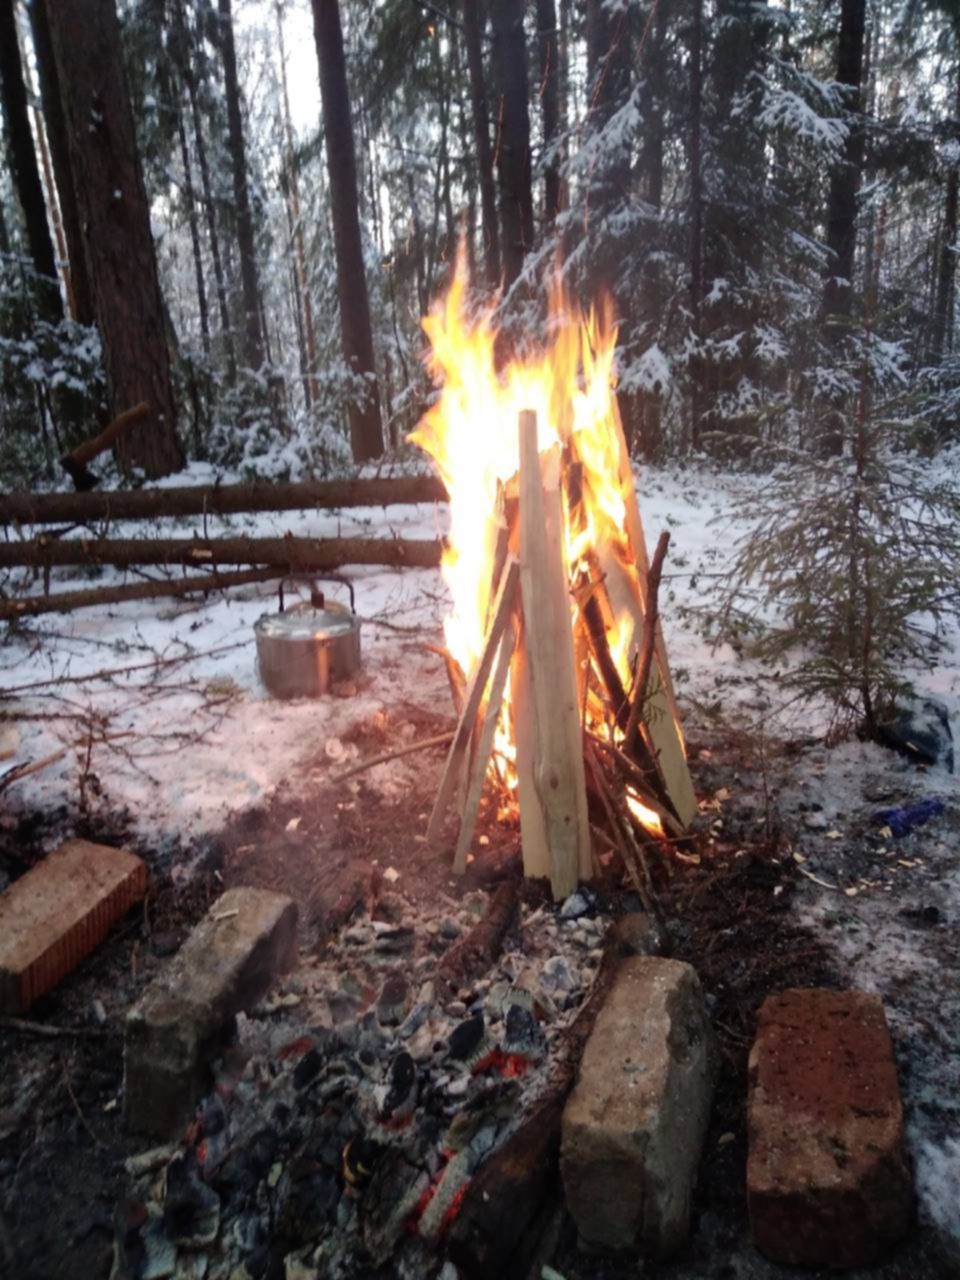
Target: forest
{"type": "Point", "coordinates": [479, 639]}
{"type": "Point", "coordinates": [769, 194]}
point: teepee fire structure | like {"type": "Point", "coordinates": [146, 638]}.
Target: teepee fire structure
{"type": "Point", "coordinates": [554, 648]}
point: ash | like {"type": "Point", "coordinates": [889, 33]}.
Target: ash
{"type": "Point", "coordinates": [358, 1101]}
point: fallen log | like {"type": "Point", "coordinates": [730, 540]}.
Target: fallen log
{"type": "Point", "coordinates": [508, 1200]}
{"type": "Point", "coordinates": [287, 552]}
{"type": "Point", "coordinates": [67, 601]}
{"type": "Point", "coordinates": [199, 500]}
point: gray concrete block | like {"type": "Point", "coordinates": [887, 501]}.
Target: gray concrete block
{"type": "Point", "coordinates": [186, 1017]}
{"type": "Point", "coordinates": [633, 1128]}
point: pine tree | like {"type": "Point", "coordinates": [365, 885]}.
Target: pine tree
{"type": "Point", "coordinates": [118, 243]}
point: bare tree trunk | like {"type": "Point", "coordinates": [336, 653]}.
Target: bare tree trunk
{"type": "Point", "coordinates": [115, 216]}
{"type": "Point", "coordinates": [513, 155]}
{"type": "Point", "coordinates": [845, 179]}
{"type": "Point", "coordinates": [23, 162]}
{"type": "Point", "coordinates": [549, 104]}
{"type": "Point", "coordinates": [472, 35]}
{"type": "Point", "coordinates": [189, 77]}
{"type": "Point", "coordinates": [947, 266]}
{"type": "Point", "coordinates": [366, 429]}
{"type": "Point", "coordinates": [250, 287]}
{"type": "Point", "coordinates": [80, 291]}
{"type": "Point", "coordinates": [194, 235]}
{"type": "Point", "coordinates": [695, 257]}
{"type": "Point", "coordinates": [301, 275]}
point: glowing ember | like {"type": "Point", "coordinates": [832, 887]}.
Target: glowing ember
{"type": "Point", "coordinates": [471, 434]}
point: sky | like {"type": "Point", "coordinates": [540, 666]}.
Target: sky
{"type": "Point", "coordinates": [302, 75]}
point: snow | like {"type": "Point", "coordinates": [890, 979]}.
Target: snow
{"type": "Point", "coordinates": [203, 740]}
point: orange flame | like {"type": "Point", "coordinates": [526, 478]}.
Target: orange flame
{"type": "Point", "coordinates": [471, 433]}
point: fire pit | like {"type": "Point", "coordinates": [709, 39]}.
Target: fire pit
{"type": "Point", "coordinates": [554, 651]}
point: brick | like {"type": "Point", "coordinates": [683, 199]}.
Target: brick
{"type": "Point", "coordinates": [186, 1017]}
{"type": "Point", "coordinates": [634, 1125]}
{"type": "Point", "coordinates": [60, 911]}
{"type": "Point", "coordinates": [828, 1182]}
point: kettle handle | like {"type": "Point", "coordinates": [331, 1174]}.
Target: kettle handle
{"type": "Point", "coordinates": [316, 595]}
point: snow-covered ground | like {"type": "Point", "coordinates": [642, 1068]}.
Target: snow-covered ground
{"type": "Point", "coordinates": [160, 709]}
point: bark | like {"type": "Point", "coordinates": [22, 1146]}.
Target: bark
{"type": "Point", "coordinates": [366, 428]}
{"type": "Point", "coordinates": [250, 287]}
{"type": "Point", "coordinates": [513, 151]}
{"type": "Point", "coordinates": [653, 65]}
{"type": "Point", "coordinates": [472, 36]}
{"type": "Point", "coordinates": [293, 553]}
{"type": "Point", "coordinates": [695, 257]}
{"type": "Point", "coordinates": [202, 500]}
{"type": "Point", "coordinates": [115, 215]}
{"type": "Point", "coordinates": [194, 235]}
{"type": "Point", "coordinates": [549, 104]}
{"type": "Point", "coordinates": [79, 290]}
{"type": "Point", "coordinates": [845, 179]}
{"type": "Point", "coordinates": [947, 266]}
{"type": "Point", "coordinates": [67, 601]}
{"type": "Point", "coordinates": [23, 164]}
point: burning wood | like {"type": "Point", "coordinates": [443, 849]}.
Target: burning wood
{"type": "Point", "coordinates": [541, 493]}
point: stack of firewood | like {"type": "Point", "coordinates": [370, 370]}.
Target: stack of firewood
{"type": "Point", "coordinates": [599, 760]}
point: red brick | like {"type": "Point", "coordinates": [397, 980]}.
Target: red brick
{"type": "Point", "coordinates": [56, 914]}
{"type": "Point", "coordinates": [827, 1177]}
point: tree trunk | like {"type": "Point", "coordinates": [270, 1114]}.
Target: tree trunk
{"type": "Point", "coordinates": [695, 256]}
{"type": "Point", "coordinates": [217, 500]}
{"type": "Point", "coordinates": [513, 152]}
{"type": "Point", "coordinates": [79, 289]}
{"type": "Point", "coordinates": [947, 266]}
{"type": "Point", "coordinates": [115, 216]}
{"type": "Point", "coordinates": [185, 60]}
{"type": "Point", "coordinates": [549, 105]}
{"type": "Point", "coordinates": [297, 553]}
{"type": "Point", "coordinates": [252, 332]}
{"type": "Point", "coordinates": [25, 171]}
{"type": "Point", "coordinates": [845, 179]}
{"type": "Point", "coordinates": [472, 36]}
{"type": "Point", "coordinates": [366, 429]}
{"type": "Point", "coordinates": [651, 174]}
{"type": "Point", "coordinates": [194, 235]}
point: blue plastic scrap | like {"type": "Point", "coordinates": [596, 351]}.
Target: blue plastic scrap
{"type": "Point", "coordinates": [905, 817]}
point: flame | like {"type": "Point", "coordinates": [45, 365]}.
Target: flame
{"type": "Point", "coordinates": [471, 434]}
{"type": "Point", "coordinates": [648, 817]}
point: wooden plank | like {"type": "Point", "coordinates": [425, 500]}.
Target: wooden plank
{"type": "Point", "coordinates": [663, 723]}
{"type": "Point", "coordinates": [473, 696]}
{"type": "Point", "coordinates": [533, 832]}
{"type": "Point", "coordinates": [56, 914]}
{"type": "Point", "coordinates": [481, 756]}
{"type": "Point", "coordinates": [558, 772]}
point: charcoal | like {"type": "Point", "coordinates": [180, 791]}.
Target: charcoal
{"type": "Point", "coordinates": [191, 1209]}
{"type": "Point", "coordinates": [308, 1068]}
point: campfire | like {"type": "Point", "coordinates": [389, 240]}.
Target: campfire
{"type": "Point", "coordinates": [554, 650]}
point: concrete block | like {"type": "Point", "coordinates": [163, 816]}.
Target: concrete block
{"type": "Point", "coordinates": [827, 1177]}
{"type": "Point", "coordinates": [186, 1017]}
{"type": "Point", "coordinates": [60, 911]}
{"type": "Point", "coordinates": [634, 1125]}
